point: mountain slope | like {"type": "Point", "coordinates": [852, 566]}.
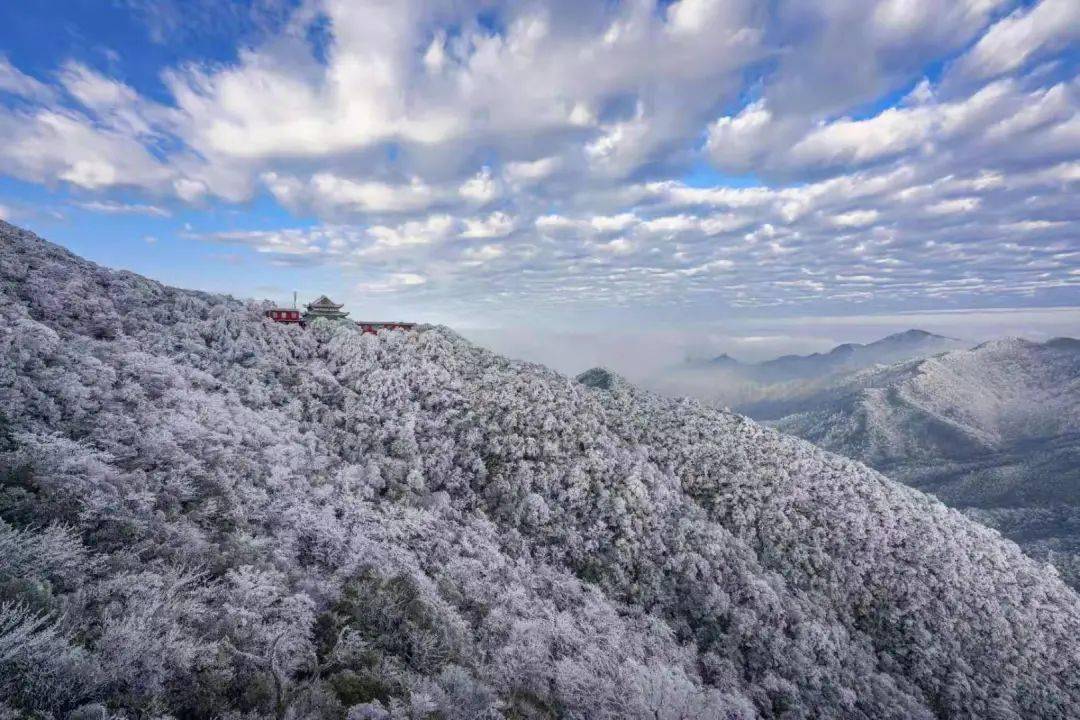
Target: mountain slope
{"type": "Point", "coordinates": [221, 516]}
{"type": "Point", "coordinates": [995, 428]}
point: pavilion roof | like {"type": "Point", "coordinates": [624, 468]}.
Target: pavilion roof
{"type": "Point", "coordinates": [325, 302]}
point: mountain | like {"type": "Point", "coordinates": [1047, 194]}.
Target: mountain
{"type": "Point", "coordinates": [994, 429]}
{"type": "Point", "coordinates": [725, 381]}
{"type": "Point", "coordinates": [852, 356]}
{"type": "Point", "coordinates": [207, 514]}
{"type": "Point", "coordinates": [723, 362]}
{"type": "Point", "coordinates": [842, 358]}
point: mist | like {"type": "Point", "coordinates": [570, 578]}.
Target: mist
{"type": "Point", "coordinates": [660, 358]}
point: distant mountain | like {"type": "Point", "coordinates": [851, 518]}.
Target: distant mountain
{"type": "Point", "coordinates": [206, 514]}
{"type": "Point", "coordinates": [725, 381]}
{"type": "Point", "coordinates": [894, 348]}
{"type": "Point", "coordinates": [724, 361]}
{"type": "Point", "coordinates": [994, 429]}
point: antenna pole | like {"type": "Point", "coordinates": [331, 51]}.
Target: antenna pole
{"type": "Point", "coordinates": [294, 299]}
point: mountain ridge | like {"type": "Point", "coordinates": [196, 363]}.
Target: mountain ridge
{"type": "Point", "coordinates": [788, 367]}
{"type": "Point", "coordinates": [727, 382]}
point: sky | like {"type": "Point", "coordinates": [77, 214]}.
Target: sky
{"type": "Point", "coordinates": [600, 182]}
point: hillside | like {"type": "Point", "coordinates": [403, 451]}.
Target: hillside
{"type": "Point", "coordinates": [206, 514]}
{"type": "Point", "coordinates": [995, 429]}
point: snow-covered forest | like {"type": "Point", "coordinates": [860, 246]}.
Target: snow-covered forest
{"type": "Point", "coordinates": [205, 514]}
{"type": "Point", "coordinates": [994, 430]}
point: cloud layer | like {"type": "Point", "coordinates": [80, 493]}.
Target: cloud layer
{"type": "Point", "coordinates": [719, 154]}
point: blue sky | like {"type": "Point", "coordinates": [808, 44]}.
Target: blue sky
{"type": "Point", "coordinates": [724, 169]}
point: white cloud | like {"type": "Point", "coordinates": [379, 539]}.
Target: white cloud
{"type": "Point", "coordinates": [1015, 40]}
{"type": "Point", "coordinates": [110, 207]}
{"type": "Point", "coordinates": [421, 136]}
{"type": "Point", "coordinates": [1056, 105]}
{"type": "Point", "coordinates": [902, 233]}
{"type": "Point", "coordinates": [481, 188]}
{"type": "Point", "coordinates": [555, 224]}
{"type": "Point", "coordinates": [619, 87]}
{"type": "Point", "coordinates": [581, 115]}
{"type": "Point", "coordinates": [13, 81]}
{"type": "Point", "coordinates": [1033, 226]}
{"type": "Point", "coordinates": [485, 253]}
{"type": "Point", "coordinates": [189, 190]}
{"type": "Point", "coordinates": [531, 171]}
{"type": "Point", "coordinates": [622, 146]}
{"type": "Point", "coordinates": [334, 193]}
{"type": "Point", "coordinates": [707, 268]}
{"type": "Point", "coordinates": [1002, 119]}
{"type": "Point", "coordinates": [740, 139]}
{"type": "Point", "coordinates": [671, 224]}
{"type": "Point", "coordinates": [613, 223]}
{"type": "Point", "coordinates": [286, 241]}
{"type": "Point", "coordinates": [954, 206]}
{"type": "Point", "coordinates": [388, 78]}
{"type": "Point", "coordinates": [435, 56]}
{"type": "Point", "coordinates": [677, 194]}
{"type": "Point", "coordinates": [719, 223]}
{"type": "Point", "coordinates": [47, 146]}
{"type": "Point", "coordinates": [371, 196]}
{"type": "Point", "coordinates": [620, 246]}
{"type": "Point", "coordinates": [288, 246]}
{"type": "Point", "coordinates": [430, 230]}
{"type": "Point", "coordinates": [855, 218]}
{"type": "Point", "coordinates": [846, 54]}
{"type": "Point", "coordinates": [497, 224]}
{"type": "Point", "coordinates": [394, 282]}
{"type": "Point", "coordinates": [846, 142]}
{"type": "Point", "coordinates": [691, 17]}
{"type": "Point", "coordinates": [95, 91]}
